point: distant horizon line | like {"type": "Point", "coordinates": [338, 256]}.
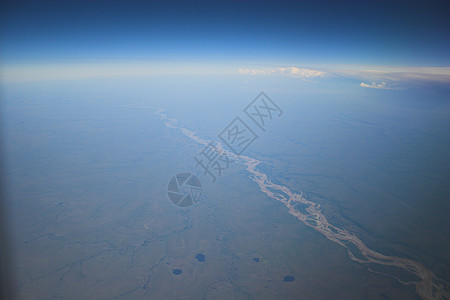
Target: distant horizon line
{"type": "Point", "coordinates": [379, 76]}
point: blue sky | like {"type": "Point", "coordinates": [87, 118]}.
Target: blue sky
{"type": "Point", "coordinates": [375, 32]}
{"type": "Point", "coordinates": [242, 33]}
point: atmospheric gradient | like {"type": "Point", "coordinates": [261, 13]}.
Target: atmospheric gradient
{"type": "Point", "coordinates": [225, 150]}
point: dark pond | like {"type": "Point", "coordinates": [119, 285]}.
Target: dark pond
{"type": "Point", "coordinates": [177, 271]}
{"type": "Point", "coordinates": [289, 278]}
{"type": "Point", "coordinates": [200, 257]}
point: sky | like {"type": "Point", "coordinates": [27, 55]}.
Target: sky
{"type": "Point", "coordinates": [195, 34]}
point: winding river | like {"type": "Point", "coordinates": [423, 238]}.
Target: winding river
{"type": "Point", "coordinates": [428, 285]}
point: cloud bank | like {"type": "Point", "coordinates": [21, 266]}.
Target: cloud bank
{"type": "Point", "coordinates": [294, 72]}
{"type": "Point", "coordinates": [382, 85]}
{"type": "Point", "coordinates": [393, 77]}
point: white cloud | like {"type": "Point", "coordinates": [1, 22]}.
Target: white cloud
{"type": "Point", "coordinates": [382, 85]}
{"type": "Point", "coordinates": [294, 72]}
{"type": "Point", "coordinates": [379, 77]}
{"type": "Point", "coordinates": [391, 75]}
